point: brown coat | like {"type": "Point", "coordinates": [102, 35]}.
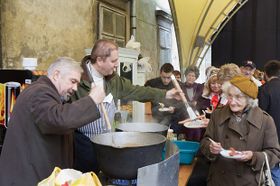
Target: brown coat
{"type": "Point", "coordinates": [39, 135]}
{"type": "Point", "coordinates": [260, 136]}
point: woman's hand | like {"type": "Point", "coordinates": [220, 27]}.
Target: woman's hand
{"type": "Point", "coordinates": [215, 148]}
{"type": "Point", "coordinates": [202, 118]}
{"type": "Point", "coordinates": [246, 156]}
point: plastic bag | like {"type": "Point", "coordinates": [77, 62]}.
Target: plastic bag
{"type": "Point", "coordinates": [70, 177]}
{"type": "Point", "coordinates": [132, 44]}
{"type": "Point", "coordinates": [144, 64]}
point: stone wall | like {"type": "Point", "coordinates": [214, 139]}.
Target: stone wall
{"type": "Point", "coordinates": [46, 30]}
{"type": "Point", "coordinates": [53, 28]}
{"type": "Point", "coordinates": [147, 33]}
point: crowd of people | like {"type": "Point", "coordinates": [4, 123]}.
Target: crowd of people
{"type": "Point", "coordinates": [55, 117]}
{"type": "Point", "coordinates": [48, 112]}
{"type": "Point", "coordinates": [229, 97]}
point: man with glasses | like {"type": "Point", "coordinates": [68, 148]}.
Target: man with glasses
{"type": "Point", "coordinates": [248, 69]}
{"type": "Point", "coordinates": [40, 133]}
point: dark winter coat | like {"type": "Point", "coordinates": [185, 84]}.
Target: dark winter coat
{"type": "Point", "coordinates": [260, 135]}
{"type": "Point", "coordinates": [197, 92]}
{"type": "Point", "coordinates": [269, 100]}
{"type": "Point", "coordinates": [39, 135]}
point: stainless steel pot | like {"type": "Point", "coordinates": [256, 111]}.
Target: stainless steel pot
{"type": "Point", "coordinates": [143, 127]}
{"type": "Point", "coordinates": [120, 154]}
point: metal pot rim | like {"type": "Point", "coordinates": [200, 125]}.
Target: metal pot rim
{"type": "Point", "coordinates": [114, 142]}
{"type": "Point", "coordinates": [139, 127]}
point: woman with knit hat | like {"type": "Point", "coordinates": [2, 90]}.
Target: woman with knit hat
{"type": "Point", "coordinates": [212, 98]}
{"type": "Point", "coordinates": [241, 125]}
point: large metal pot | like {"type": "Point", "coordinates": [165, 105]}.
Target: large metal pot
{"type": "Point", "coordinates": [120, 154]}
{"type": "Point", "coordinates": [143, 127]}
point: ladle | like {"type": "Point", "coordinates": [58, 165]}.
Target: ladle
{"type": "Point", "coordinates": [190, 111]}
{"type": "Point", "coordinates": [107, 121]}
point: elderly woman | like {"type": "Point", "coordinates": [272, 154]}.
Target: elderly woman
{"type": "Point", "coordinates": [192, 92]}
{"type": "Point", "coordinates": [245, 127]}
{"type": "Point", "coordinates": [228, 71]}
{"type": "Point", "coordinates": [192, 89]}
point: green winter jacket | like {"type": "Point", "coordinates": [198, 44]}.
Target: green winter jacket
{"type": "Point", "coordinates": [121, 88]}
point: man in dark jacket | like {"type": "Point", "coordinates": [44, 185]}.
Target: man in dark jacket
{"type": "Point", "coordinates": [269, 100]}
{"type": "Point", "coordinates": [163, 82]}
{"type": "Point", "coordinates": [40, 131]}
{"type": "Point", "coordinates": [174, 110]}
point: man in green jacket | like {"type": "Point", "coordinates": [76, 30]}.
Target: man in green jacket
{"type": "Point", "coordinates": [104, 60]}
{"type": "Point", "coordinates": [101, 67]}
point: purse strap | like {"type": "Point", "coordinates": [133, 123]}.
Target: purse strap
{"type": "Point", "coordinates": [265, 172]}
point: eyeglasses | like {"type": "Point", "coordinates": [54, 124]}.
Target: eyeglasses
{"type": "Point", "coordinates": [237, 97]}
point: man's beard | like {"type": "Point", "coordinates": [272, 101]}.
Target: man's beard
{"type": "Point", "coordinates": [65, 98]}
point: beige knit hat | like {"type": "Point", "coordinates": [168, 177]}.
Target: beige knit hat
{"type": "Point", "coordinates": [245, 85]}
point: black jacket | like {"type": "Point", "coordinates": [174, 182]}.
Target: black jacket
{"type": "Point", "coordinates": [269, 100]}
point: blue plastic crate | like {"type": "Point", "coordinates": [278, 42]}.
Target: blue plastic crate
{"type": "Point", "coordinates": [187, 151]}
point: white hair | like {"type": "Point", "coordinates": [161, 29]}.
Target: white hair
{"type": "Point", "coordinates": [64, 65]}
{"type": "Point", "coordinates": [250, 101]}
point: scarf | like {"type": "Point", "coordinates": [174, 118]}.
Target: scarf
{"type": "Point", "coordinates": [215, 101]}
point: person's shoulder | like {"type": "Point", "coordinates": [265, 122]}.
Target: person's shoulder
{"type": "Point", "coordinates": [222, 111]}
{"type": "Point", "coordinates": [154, 79]}
{"type": "Point", "coordinates": [200, 86]}
{"type": "Point", "coordinates": [266, 115]}
{"type": "Point", "coordinates": [272, 84]}
{"type": "Point", "coordinates": [39, 88]}
{"type": "Point", "coordinates": [260, 112]}
{"type": "Point", "coordinates": [221, 108]}
{"type": "Point", "coordinates": [42, 83]}
{"type": "Point", "coordinates": [152, 82]}
{"type": "Point", "coordinates": [181, 83]}
{"type": "Point", "coordinates": [221, 114]}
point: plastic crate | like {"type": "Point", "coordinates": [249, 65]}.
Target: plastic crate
{"type": "Point", "coordinates": [187, 151]}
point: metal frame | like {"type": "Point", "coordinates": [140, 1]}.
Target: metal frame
{"type": "Point", "coordinates": [218, 30]}
{"type": "Point", "coordinates": [200, 42]}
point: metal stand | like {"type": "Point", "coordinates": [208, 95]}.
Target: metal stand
{"type": "Point", "coordinates": [164, 173]}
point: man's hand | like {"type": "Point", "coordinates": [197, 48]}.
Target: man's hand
{"type": "Point", "coordinates": [97, 93]}
{"type": "Point", "coordinates": [174, 94]}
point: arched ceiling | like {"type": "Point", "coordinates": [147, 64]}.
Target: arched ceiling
{"type": "Point", "coordinates": [197, 23]}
